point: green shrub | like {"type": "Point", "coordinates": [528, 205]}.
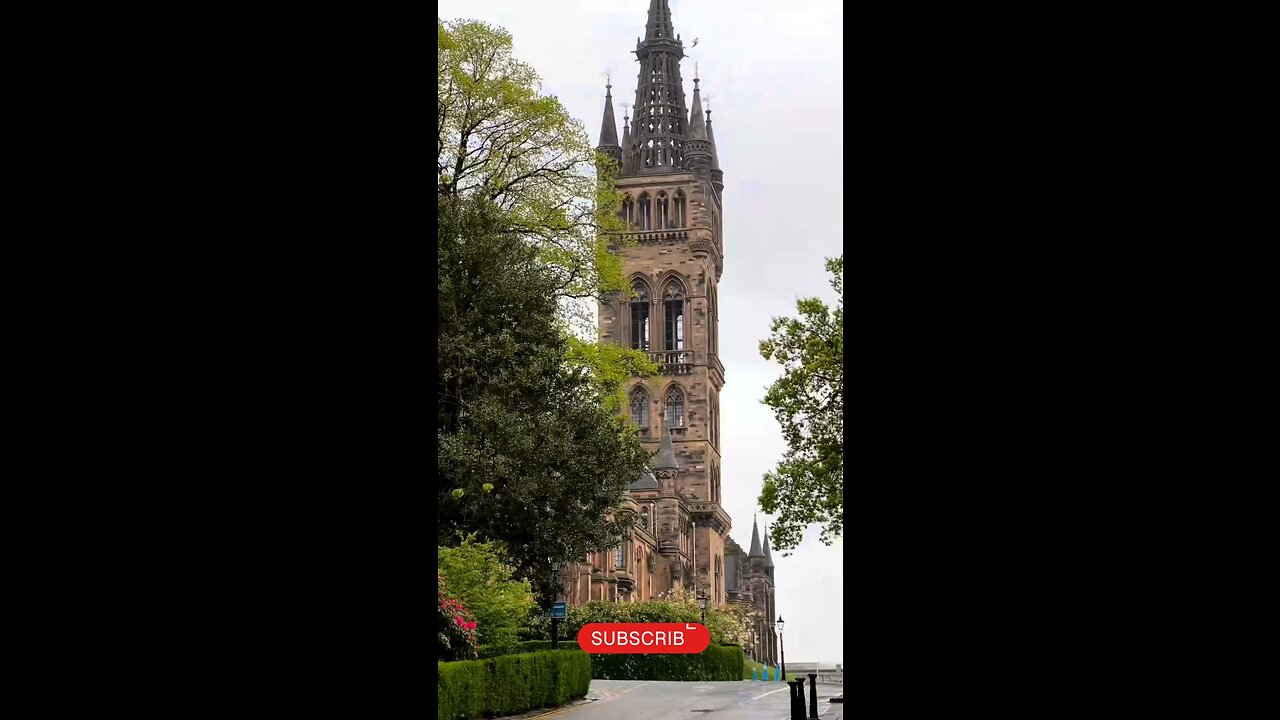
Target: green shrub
{"type": "Point", "coordinates": [714, 663]}
{"type": "Point", "coordinates": [525, 646]}
{"type": "Point", "coordinates": [511, 684]}
{"type": "Point", "coordinates": [481, 579]}
{"type": "Point", "coordinates": [717, 662]}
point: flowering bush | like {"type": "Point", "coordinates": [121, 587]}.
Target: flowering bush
{"type": "Point", "coordinates": [455, 627]}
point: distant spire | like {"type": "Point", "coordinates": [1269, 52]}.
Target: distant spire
{"type": "Point", "coordinates": [626, 142]}
{"type": "Point", "coordinates": [659, 25]}
{"type": "Point", "coordinates": [711, 136]}
{"type": "Point", "coordinates": [768, 559]}
{"type": "Point", "coordinates": [755, 540]}
{"type": "Point", "coordinates": [666, 459]}
{"type": "Point", "coordinates": [697, 122]}
{"type": "Point", "coordinates": [609, 127]}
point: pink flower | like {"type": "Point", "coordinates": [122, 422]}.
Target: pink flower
{"type": "Point", "coordinates": [458, 620]}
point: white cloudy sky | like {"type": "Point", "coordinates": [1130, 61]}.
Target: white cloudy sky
{"type": "Point", "coordinates": [774, 71]}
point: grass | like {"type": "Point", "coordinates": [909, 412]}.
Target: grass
{"type": "Point", "coordinates": [748, 665]}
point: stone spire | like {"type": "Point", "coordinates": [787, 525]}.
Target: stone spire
{"type": "Point", "coordinates": [697, 123]}
{"type": "Point", "coordinates": [666, 459]}
{"type": "Point", "coordinates": [717, 176]}
{"type": "Point", "coordinates": [697, 148]}
{"type": "Point", "coordinates": [768, 559]}
{"type": "Point", "coordinates": [659, 25]}
{"type": "Point", "coordinates": [609, 129]}
{"type": "Point", "coordinates": [626, 143]}
{"type": "Point", "coordinates": [660, 113]}
{"type": "Point", "coordinates": [755, 552]}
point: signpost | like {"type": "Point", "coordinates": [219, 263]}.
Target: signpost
{"type": "Point", "coordinates": [557, 614]}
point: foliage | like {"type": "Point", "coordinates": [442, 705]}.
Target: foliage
{"type": "Point", "coordinates": [726, 623]}
{"type": "Point", "coordinates": [715, 663]}
{"type": "Point", "coordinates": [501, 139]}
{"type": "Point", "coordinates": [481, 579]}
{"type": "Point", "coordinates": [610, 367]}
{"type": "Point", "coordinates": [808, 402]}
{"type": "Point", "coordinates": [529, 455]}
{"type": "Point", "coordinates": [510, 684]}
{"type": "Point", "coordinates": [455, 626]}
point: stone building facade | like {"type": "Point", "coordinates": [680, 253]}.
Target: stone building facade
{"type": "Point", "coordinates": [672, 186]}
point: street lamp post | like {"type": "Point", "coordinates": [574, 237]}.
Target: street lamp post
{"type": "Point", "coordinates": [783, 647]}
{"type": "Point", "coordinates": [702, 601]}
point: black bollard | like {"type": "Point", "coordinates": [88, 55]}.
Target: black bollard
{"type": "Point", "coordinates": [797, 710]}
{"type": "Point", "coordinates": [792, 685]}
{"type": "Point", "coordinates": [813, 696]}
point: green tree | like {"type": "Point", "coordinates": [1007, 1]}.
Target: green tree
{"type": "Point", "coordinates": [500, 139]}
{"type": "Point", "coordinates": [529, 454]}
{"type": "Point", "coordinates": [482, 580]}
{"type": "Point", "coordinates": [807, 486]}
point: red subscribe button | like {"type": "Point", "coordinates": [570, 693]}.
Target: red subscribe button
{"type": "Point", "coordinates": [649, 638]}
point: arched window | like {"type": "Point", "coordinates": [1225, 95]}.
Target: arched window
{"type": "Point", "coordinates": [673, 299]}
{"type": "Point", "coordinates": [646, 217]}
{"type": "Point", "coordinates": [640, 316]}
{"type": "Point", "coordinates": [645, 514]}
{"type": "Point", "coordinates": [640, 409]}
{"type": "Point", "coordinates": [675, 408]}
{"type": "Point", "coordinates": [619, 560]}
{"type": "Point", "coordinates": [664, 219]}
{"type": "Point", "coordinates": [678, 216]}
{"type": "Point", "coordinates": [626, 213]}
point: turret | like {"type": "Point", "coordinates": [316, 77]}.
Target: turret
{"type": "Point", "coordinates": [697, 147]}
{"type": "Point", "coordinates": [609, 129]}
{"type": "Point", "coordinates": [717, 176]}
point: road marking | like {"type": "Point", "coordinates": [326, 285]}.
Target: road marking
{"type": "Point", "coordinates": [770, 692]}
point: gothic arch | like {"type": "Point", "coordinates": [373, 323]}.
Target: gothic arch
{"type": "Point", "coordinates": [680, 209]}
{"type": "Point", "coordinates": [663, 211]}
{"type": "Point", "coordinates": [674, 406]}
{"type": "Point", "coordinates": [627, 210]}
{"type": "Point", "coordinates": [645, 211]}
{"type": "Point", "coordinates": [639, 320]}
{"type": "Point", "coordinates": [670, 277]}
{"type": "Point", "coordinates": [675, 312]}
{"type": "Point", "coordinates": [639, 408]}
{"type": "Point", "coordinates": [641, 285]}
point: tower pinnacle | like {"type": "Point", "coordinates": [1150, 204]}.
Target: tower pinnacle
{"type": "Point", "coordinates": [609, 128]}
{"type": "Point", "coordinates": [659, 25]}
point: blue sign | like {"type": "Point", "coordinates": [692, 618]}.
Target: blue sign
{"type": "Point", "coordinates": [558, 610]}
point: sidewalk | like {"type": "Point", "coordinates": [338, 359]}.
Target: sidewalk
{"type": "Point", "coordinates": [828, 710]}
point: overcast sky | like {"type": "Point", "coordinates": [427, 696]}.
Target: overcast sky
{"type": "Point", "coordinates": [774, 71]}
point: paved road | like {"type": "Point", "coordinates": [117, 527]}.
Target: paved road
{"type": "Point", "coordinates": [651, 700]}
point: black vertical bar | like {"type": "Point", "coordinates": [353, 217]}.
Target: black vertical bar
{"type": "Point", "coordinates": [813, 696]}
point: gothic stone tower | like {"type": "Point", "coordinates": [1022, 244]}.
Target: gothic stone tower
{"type": "Point", "coordinates": [672, 185]}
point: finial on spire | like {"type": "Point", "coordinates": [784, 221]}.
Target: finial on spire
{"type": "Point", "coordinates": [695, 71]}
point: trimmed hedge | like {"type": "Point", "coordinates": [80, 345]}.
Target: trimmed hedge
{"type": "Point", "coordinates": [717, 662]}
{"type": "Point", "coordinates": [511, 684]}
{"type": "Point", "coordinates": [526, 646]}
